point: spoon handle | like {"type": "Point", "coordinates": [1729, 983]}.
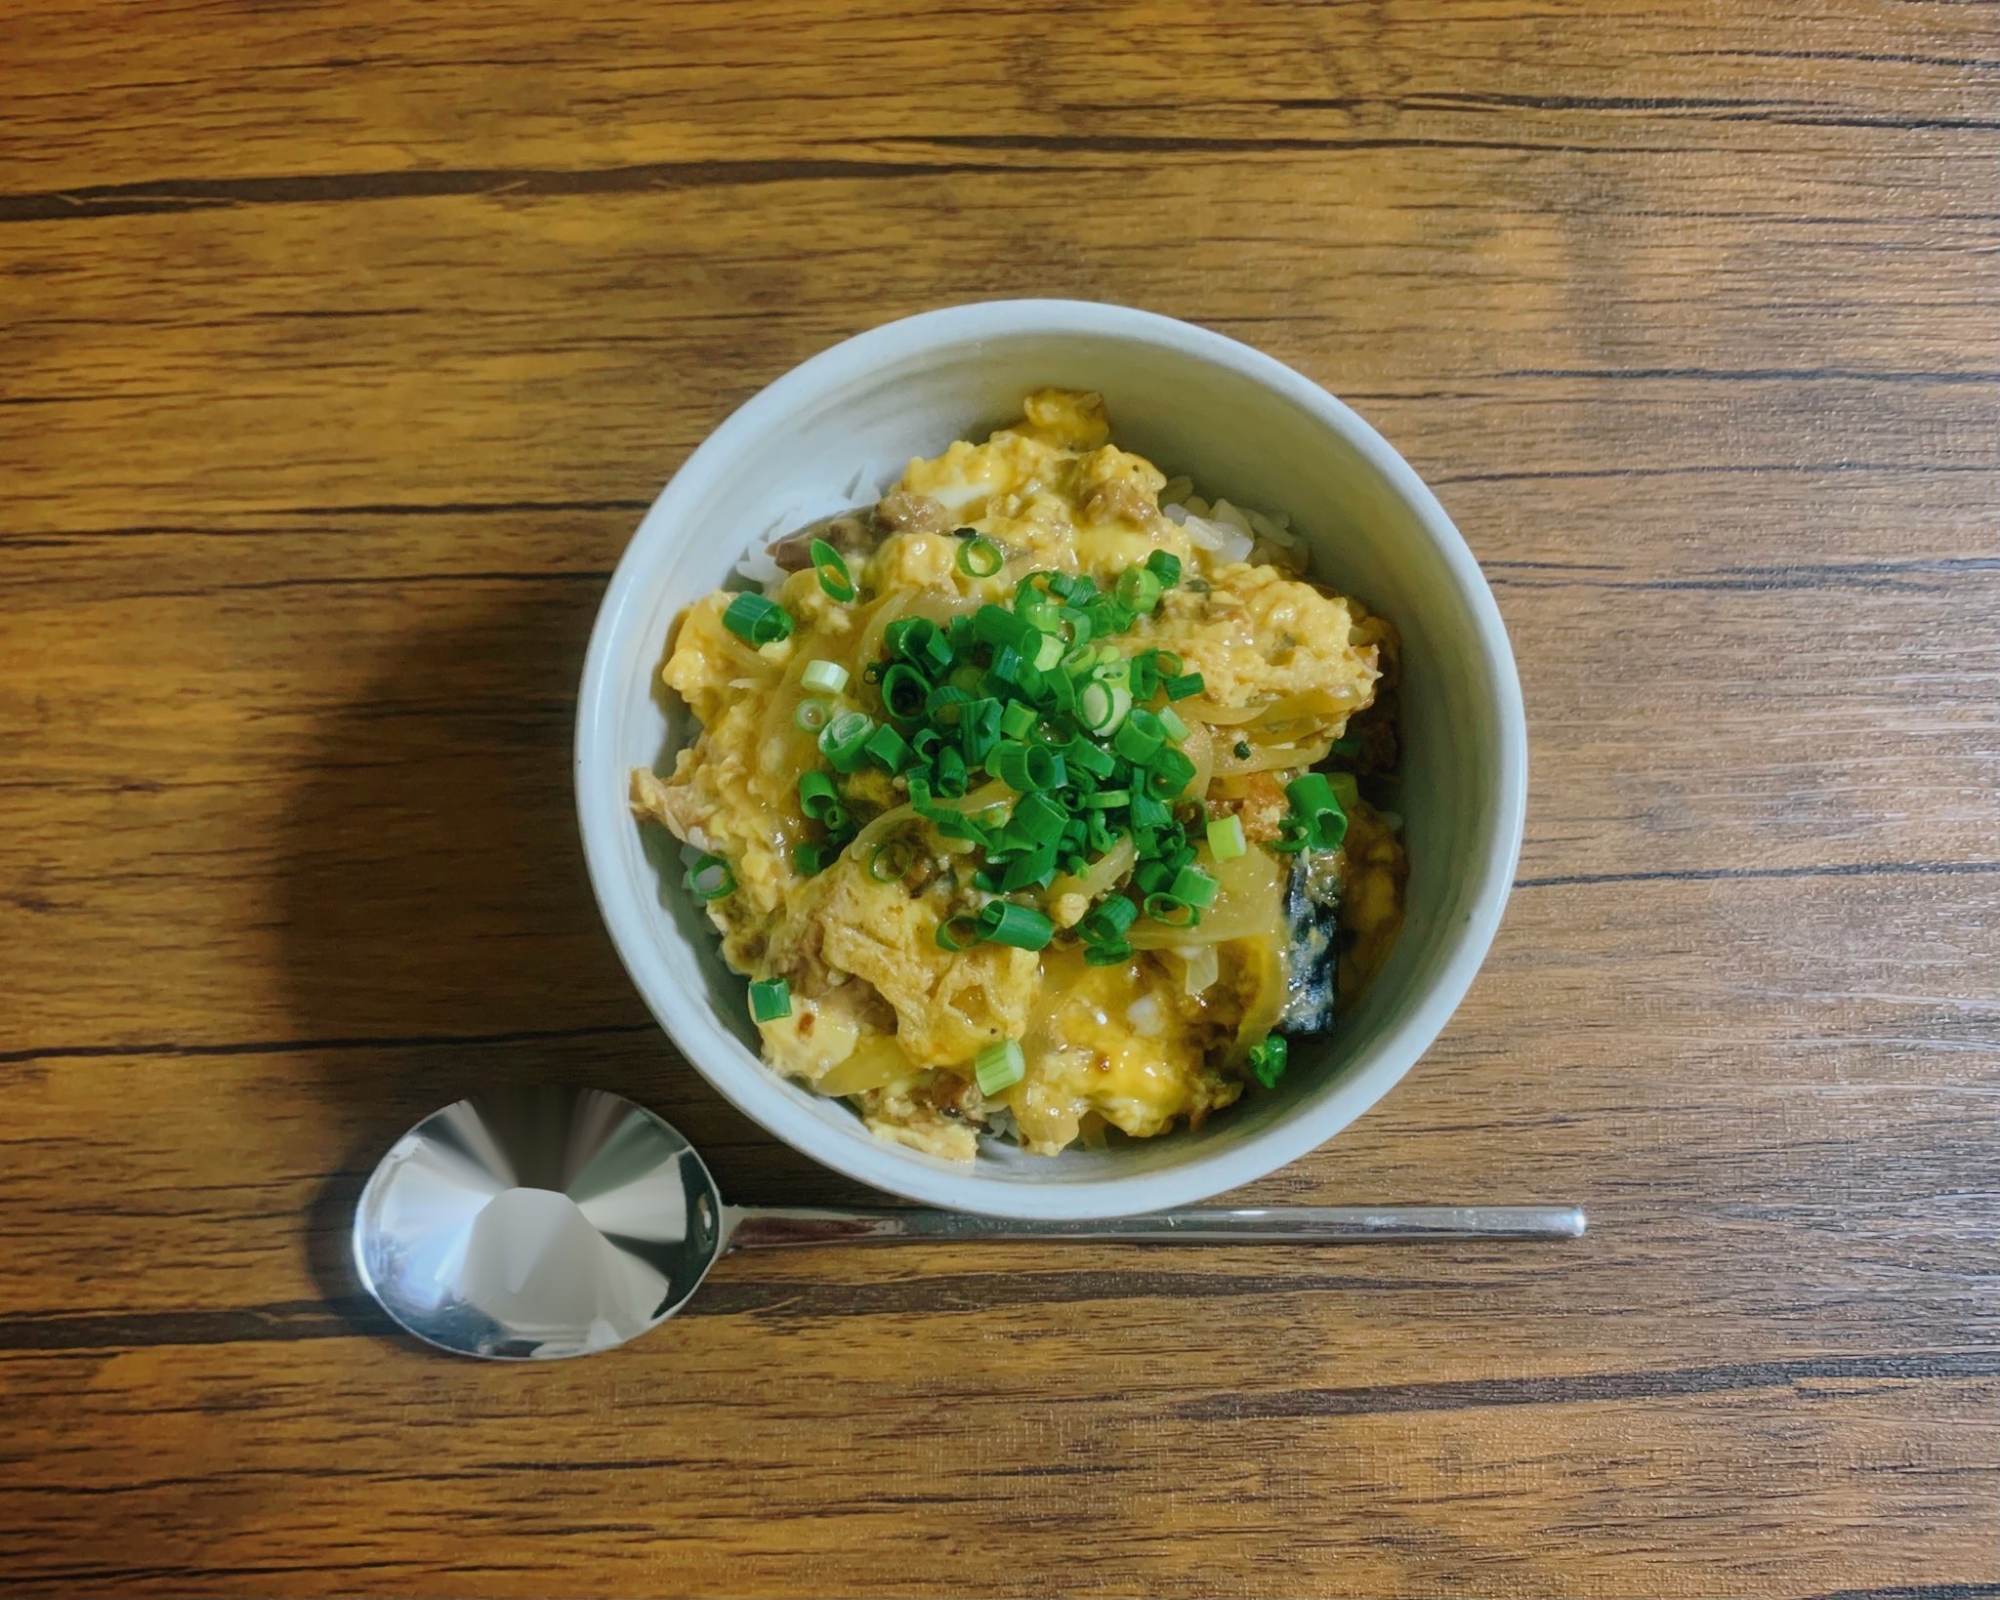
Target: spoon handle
{"type": "Point", "coordinates": [762, 1227]}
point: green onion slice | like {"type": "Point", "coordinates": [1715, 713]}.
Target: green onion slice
{"type": "Point", "coordinates": [1225, 838]}
{"type": "Point", "coordinates": [890, 862]}
{"type": "Point", "coordinates": [1023, 927]}
{"type": "Point", "coordinates": [979, 557]}
{"type": "Point", "coordinates": [770, 999]}
{"type": "Point", "coordinates": [945, 703]}
{"type": "Point", "coordinates": [887, 749]}
{"type": "Point", "coordinates": [1000, 1066]}
{"type": "Point", "coordinates": [710, 878]}
{"type": "Point", "coordinates": [1138, 589]}
{"type": "Point", "coordinates": [830, 566]}
{"type": "Point", "coordinates": [958, 933]}
{"type": "Point", "coordinates": [824, 677]}
{"type": "Point", "coordinates": [1108, 920]}
{"type": "Point", "coordinates": [810, 859]}
{"type": "Point", "coordinates": [1139, 737]}
{"type": "Point", "coordinates": [1170, 909]}
{"type": "Point", "coordinates": [904, 692]}
{"type": "Point", "coordinates": [1195, 887]}
{"type": "Point", "coordinates": [1320, 823]}
{"type": "Point", "coordinates": [756, 620]}
{"type": "Point", "coordinates": [842, 740]}
{"type": "Point", "coordinates": [1267, 1060]}
{"type": "Point", "coordinates": [817, 795]}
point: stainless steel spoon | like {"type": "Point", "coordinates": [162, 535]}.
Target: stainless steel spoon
{"type": "Point", "coordinates": [530, 1224]}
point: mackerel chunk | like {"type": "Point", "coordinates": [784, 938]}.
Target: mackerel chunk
{"type": "Point", "coordinates": [1312, 943]}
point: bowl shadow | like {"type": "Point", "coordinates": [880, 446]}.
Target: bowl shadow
{"type": "Point", "coordinates": [437, 926]}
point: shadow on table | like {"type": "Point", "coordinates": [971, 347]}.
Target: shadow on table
{"type": "Point", "coordinates": [438, 929]}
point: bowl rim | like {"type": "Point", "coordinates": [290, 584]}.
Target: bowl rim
{"type": "Point", "coordinates": [761, 1096]}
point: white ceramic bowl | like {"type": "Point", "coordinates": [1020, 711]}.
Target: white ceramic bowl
{"type": "Point", "coordinates": [1245, 427]}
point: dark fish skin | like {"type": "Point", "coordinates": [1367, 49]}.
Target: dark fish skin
{"type": "Point", "coordinates": [1312, 944]}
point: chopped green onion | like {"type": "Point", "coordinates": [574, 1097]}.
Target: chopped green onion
{"type": "Point", "coordinates": [904, 692]}
{"type": "Point", "coordinates": [946, 698]}
{"type": "Point", "coordinates": [1082, 754]}
{"type": "Point", "coordinates": [1023, 927]}
{"type": "Point", "coordinates": [891, 861]}
{"type": "Point", "coordinates": [710, 878]}
{"type": "Point", "coordinates": [1345, 789]}
{"type": "Point", "coordinates": [817, 795]}
{"type": "Point", "coordinates": [979, 730]}
{"type": "Point", "coordinates": [951, 775]}
{"type": "Point", "coordinates": [1107, 799]}
{"type": "Point", "coordinates": [1267, 1060]}
{"type": "Point", "coordinates": [1138, 589]}
{"type": "Point", "coordinates": [1107, 921]}
{"type": "Point", "coordinates": [887, 749]}
{"type": "Point", "coordinates": [997, 626]}
{"type": "Point", "coordinates": [1165, 566]}
{"type": "Point", "coordinates": [1196, 887]}
{"type": "Point", "coordinates": [1031, 869]}
{"type": "Point", "coordinates": [1175, 912]}
{"type": "Point", "coordinates": [1107, 954]}
{"type": "Point", "coordinates": [830, 566]}
{"type": "Point", "coordinates": [1039, 615]}
{"type": "Point", "coordinates": [1185, 686]}
{"type": "Point", "coordinates": [1349, 746]}
{"type": "Point", "coordinates": [958, 933]}
{"type": "Point", "coordinates": [842, 740]}
{"type": "Point", "coordinates": [1103, 709]}
{"type": "Point", "coordinates": [919, 641]}
{"type": "Point", "coordinates": [1241, 750]}
{"type": "Point", "coordinates": [1000, 1066]}
{"type": "Point", "coordinates": [1171, 724]}
{"type": "Point", "coordinates": [1171, 771]}
{"type": "Point", "coordinates": [1037, 819]}
{"type": "Point", "coordinates": [811, 715]}
{"type": "Point", "coordinates": [1048, 653]}
{"type": "Point", "coordinates": [1148, 812]}
{"type": "Point", "coordinates": [756, 620]}
{"type": "Point", "coordinates": [770, 999]}
{"type": "Point", "coordinates": [1143, 676]}
{"type": "Point", "coordinates": [810, 859]}
{"type": "Point", "coordinates": [1317, 820]}
{"type": "Point", "coordinates": [1005, 673]}
{"type": "Point", "coordinates": [1138, 737]}
{"type": "Point", "coordinates": [979, 557]}
{"type": "Point", "coordinates": [1017, 719]}
{"type": "Point", "coordinates": [824, 677]}
{"type": "Point", "coordinates": [1225, 838]}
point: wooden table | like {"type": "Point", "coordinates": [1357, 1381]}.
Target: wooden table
{"type": "Point", "coordinates": [342, 348]}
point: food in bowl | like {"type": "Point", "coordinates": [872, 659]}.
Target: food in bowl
{"type": "Point", "coordinates": [1030, 797]}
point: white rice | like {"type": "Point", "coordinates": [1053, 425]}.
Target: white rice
{"type": "Point", "coordinates": [863, 489]}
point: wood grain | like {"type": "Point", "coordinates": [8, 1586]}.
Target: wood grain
{"type": "Point", "coordinates": [343, 346]}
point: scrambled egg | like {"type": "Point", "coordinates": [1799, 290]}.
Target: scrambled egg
{"type": "Point", "coordinates": [881, 1010]}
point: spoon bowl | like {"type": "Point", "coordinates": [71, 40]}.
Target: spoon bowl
{"type": "Point", "coordinates": [534, 1223]}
